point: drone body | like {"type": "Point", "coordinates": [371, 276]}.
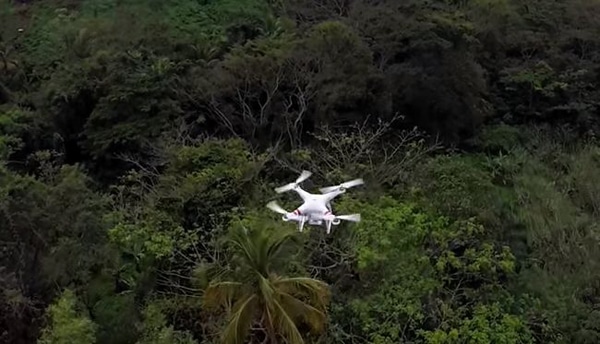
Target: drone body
{"type": "Point", "coordinates": [316, 209]}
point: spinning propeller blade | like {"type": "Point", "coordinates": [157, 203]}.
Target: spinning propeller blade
{"type": "Point", "coordinates": [303, 176]}
{"type": "Point", "coordinates": [345, 185]}
{"type": "Point", "coordinates": [351, 217]}
{"type": "Point", "coordinates": [276, 208]}
{"type": "Point", "coordinates": [335, 220]}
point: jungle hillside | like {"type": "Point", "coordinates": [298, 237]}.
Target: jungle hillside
{"type": "Point", "coordinates": [140, 141]}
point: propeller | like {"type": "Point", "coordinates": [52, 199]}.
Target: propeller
{"type": "Point", "coordinates": [335, 220]}
{"type": "Point", "coordinates": [342, 186]}
{"type": "Point", "coordinates": [351, 217]}
{"type": "Point", "coordinates": [303, 176]}
{"type": "Point", "coordinates": [276, 208]}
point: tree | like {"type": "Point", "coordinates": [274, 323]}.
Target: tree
{"type": "Point", "coordinates": [67, 324]}
{"type": "Point", "coordinates": [157, 331]}
{"type": "Point", "coordinates": [258, 294]}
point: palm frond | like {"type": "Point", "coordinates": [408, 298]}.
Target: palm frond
{"type": "Point", "coordinates": [267, 293]}
{"type": "Point", "coordinates": [244, 245]}
{"type": "Point", "coordinates": [260, 248]}
{"type": "Point", "coordinates": [262, 259]}
{"type": "Point", "coordinates": [251, 247]}
{"type": "Point", "coordinates": [285, 324]}
{"type": "Point", "coordinates": [317, 291]}
{"type": "Point", "coordinates": [240, 320]}
{"type": "Point", "coordinates": [280, 303]}
{"type": "Point", "coordinates": [299, 310]}
{"type": "Point", "coordinates": [221, 293]}
{"type": "Point", "coordinates": [268, 320]}
{"type": "Point", "coordinates": [277, 243]}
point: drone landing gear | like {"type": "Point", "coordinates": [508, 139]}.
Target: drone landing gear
{"type": "Point", "coordinates": [301, 224]}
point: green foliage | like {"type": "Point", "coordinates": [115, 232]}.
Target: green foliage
{"type": "Point", "coordinates": [144, 236]}
{"type": "Point", "coordinates": [134, 132]}
{"type": "Point", "coordinates": [49, 218]}
{"type": "Point", "coordinates": [344, 68]}
{"type": "Point", "coordinates": [42, 44]}
{"type": "Point", "coordinates": [501, 138]}
{"type": "Point", "coordinates": [115, 316]}
{"type": "Point", "coordinates": [67, 323]}
{"type": "Point", "coordinates": [217, 21]}
{"type": "Point", "coordinates": [461, 184]}
{"type": "Point", "coordinates": [55, 239]}
{"type": "Point", "coordinates": [137, 105]}
{"type": "Point", "coordinates": [538, 81]}
{"type": "Point", "coordinates": [152, 235]}
{"type": "Point", "coordinates": [489, 324]}
{"type": "Point", "coordinates": [416, 266]}
{"type": "Point", "coordinates": [199, 180]}
{"type": "Point", "coordinates": [206, 178]}
{"type": "Point", "coordinates": [530, 193]}
{"type": "Point", "coordinates": [13, 125]}
{"type": "Point", "coordinates": [259, 293]}
{"type": "Point", "coordinates": [212, 161]}
{"type": "Point", "coordinates": [155, 329]}
{"type": "Point", "coordinates": [562, 230]}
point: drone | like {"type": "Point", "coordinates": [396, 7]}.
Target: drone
{"type": "Point", "coordinates": [316, 209]}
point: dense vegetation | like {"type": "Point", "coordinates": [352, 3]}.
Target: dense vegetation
{"type": "Point", "coordinates": [141, 140]}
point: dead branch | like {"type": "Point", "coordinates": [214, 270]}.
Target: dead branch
{"type": "Point", "coordinates": [378, 151]}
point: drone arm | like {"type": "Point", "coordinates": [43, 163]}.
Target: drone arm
{"type": "Point", "coordinates": [303, 194]}
{"type": "Point", "coordinates": [333, 194]}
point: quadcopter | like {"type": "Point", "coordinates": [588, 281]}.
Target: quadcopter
{"type": "Point", "coordinates": [316, 209]}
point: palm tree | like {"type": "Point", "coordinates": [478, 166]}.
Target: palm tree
{"type": "Point", "coordinates": [259, 295]}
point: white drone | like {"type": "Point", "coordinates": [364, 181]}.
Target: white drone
{"type": "Point", "coordinates": [316, 209]}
